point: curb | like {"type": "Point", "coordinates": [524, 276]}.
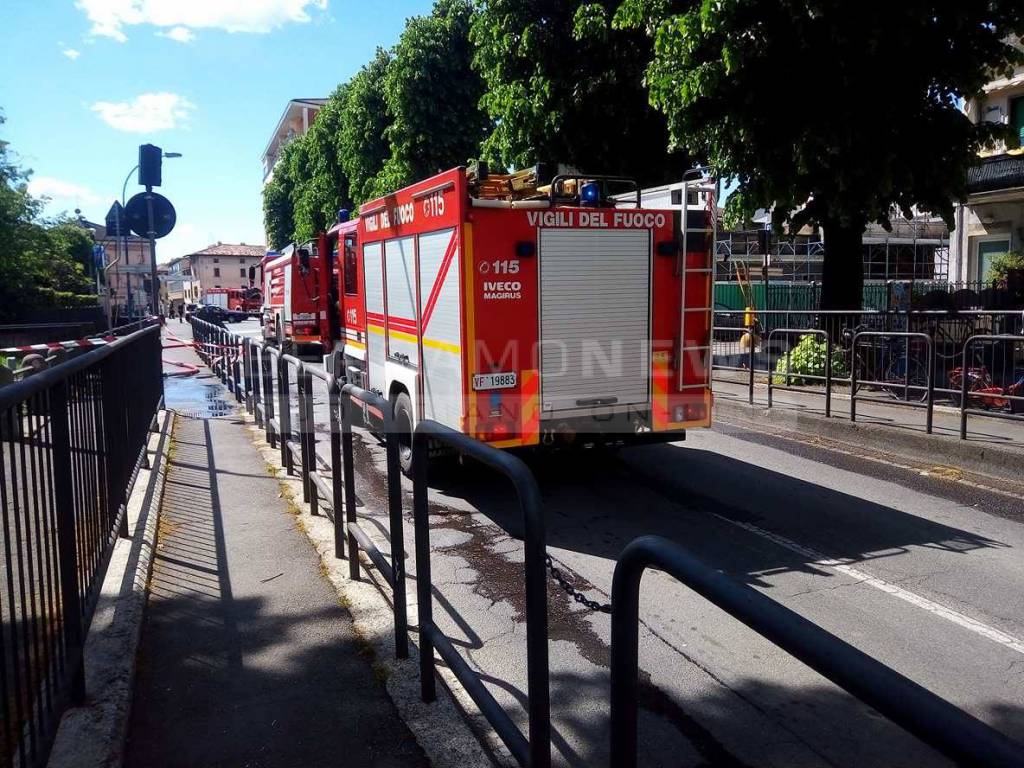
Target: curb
{"type": "Point", "coordinates": [94, 735]}
{"type": "Point", "coordinates": [973, 456]}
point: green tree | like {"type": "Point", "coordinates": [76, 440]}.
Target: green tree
{"type": "Point", "coordinates": [321, 185]}
{"type": "Point", "coordinates": [433, 96]}
{"type": "Point", "coordinates": [279, 194]}
{"type": "Point", "coordinates": [21, 239]}
{"type": "Point", "coordinates": [42, 263]}
{"type": "Point", "coordinates": [278, 213]}
{"type": "Point", "coordinates": [564, 86]}
{"type": "Point", "coordinates": [362, 143]}
{"type": "Point", "coordinates": [829, 112]}
{"type": "Point", "coordinates": [69, 251]}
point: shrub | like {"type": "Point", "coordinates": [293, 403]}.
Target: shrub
{"type": "Point", "coordinates": [807, 358]}
{"type": "Point", "coordinates": [1002, 265]}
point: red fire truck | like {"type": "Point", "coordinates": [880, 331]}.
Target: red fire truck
{"type": "Point", "coordinates": [524, 314]}
{"type": "Point", "coordinates": [301, 291]}
{"type": "Point", "coordinates": [234, 299]}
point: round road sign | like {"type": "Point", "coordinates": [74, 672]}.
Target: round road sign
{"type": "Point", "coordinates": [137, 216]}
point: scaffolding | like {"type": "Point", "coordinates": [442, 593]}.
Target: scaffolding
{"type": "Point", "coordinates": [800, 258]}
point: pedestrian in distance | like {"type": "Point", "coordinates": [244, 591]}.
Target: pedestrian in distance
{"type": "Point", "coordinates": [181, 313]}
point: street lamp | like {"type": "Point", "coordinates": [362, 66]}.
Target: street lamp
{"type": "Point", "coordinates": [154, 291]}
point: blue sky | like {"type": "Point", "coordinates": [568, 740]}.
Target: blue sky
{"type": "Point", "coordinates": [85, 82]}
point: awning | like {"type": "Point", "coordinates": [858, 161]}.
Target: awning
{"type": "Point", "coordinates": [996, 173]}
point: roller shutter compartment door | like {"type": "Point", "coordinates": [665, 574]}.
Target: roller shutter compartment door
{"type": "Point", "coordinates": [595, 318]}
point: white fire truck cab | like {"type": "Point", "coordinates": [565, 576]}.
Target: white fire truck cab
{"type": "Point", "coordinates": [524, 313]}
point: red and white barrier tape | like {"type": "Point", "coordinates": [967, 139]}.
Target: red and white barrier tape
{"type": "Point", "coordinates": [55, 345]}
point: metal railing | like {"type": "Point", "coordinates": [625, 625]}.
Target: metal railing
{"type": "Point", "coordinates": [968, 394]}
{"type": "Point", "coordinates": [827, 378]}
{"type": "Point", "coordinates": [919, 358]}
{"type": "Point", "coordinates": [917, 710]}
{"type": "Point", "coordinates": [267, 391]}
{"type": "Point", "coordinates": [71, 441]}
{"type": "Point", "coordinates": [535, 751]}
{"type": "Point", "coordinates": [929, 366]}
{"type": "Point", "coordinates": [393, 571]}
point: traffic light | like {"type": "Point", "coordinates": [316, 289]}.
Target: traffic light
{"type": "Point", "coordinates": [150, 162]}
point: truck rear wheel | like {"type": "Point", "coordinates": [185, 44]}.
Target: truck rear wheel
{"type": "Point", "coordinates": [403, 429]}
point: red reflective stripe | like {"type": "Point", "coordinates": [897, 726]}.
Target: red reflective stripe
{"type": "Point", "coordinates": [373, 317]}
{"type": "Point", "coordinates": [435, 290]}
{"type": "Point", "coordinates": [402, 324]}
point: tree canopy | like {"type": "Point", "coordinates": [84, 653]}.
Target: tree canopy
{"type": "Point", "coordinates": [321, 187]}
{"type": "Point", "coordinates": [432, 96]}
{"type": "Point", "coordinates": [564, 86]}
{"type": "Point", "coordinates": [42, 263]}
{"type": "Point", "coordinates": [827, 112]}
{"type": "Point", "coordinates": [363, 146]}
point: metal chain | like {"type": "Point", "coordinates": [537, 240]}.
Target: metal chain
{"type": "Point", "coordinates": [569, 589]}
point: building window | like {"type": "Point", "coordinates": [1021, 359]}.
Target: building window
{"type": "Point", "coordinates": [241, 272]}
{"type": "Point", "coordinates": [987, 251]}
{"type": "Point", "coordinates": [241, 261]}
{"type": "Point", "coordinates": [1017, 118]}
{"type": "Point", "coordinates": [216, 271]}
{"type": "Point", "coordinates": [216, 260]}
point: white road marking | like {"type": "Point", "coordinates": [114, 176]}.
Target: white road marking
{"type": "Point", "coordinates": [889, 588]}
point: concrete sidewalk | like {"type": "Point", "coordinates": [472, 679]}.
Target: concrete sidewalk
{"type": "Point", "coordinates": [247, 657]}
{"type": "Point", "coordinates": [994, 446]}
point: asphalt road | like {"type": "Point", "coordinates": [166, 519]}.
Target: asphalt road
{"type": "Point", "coordinates": [919, 570]}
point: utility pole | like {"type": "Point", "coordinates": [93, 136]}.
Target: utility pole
{"type": "Point", "coordinates": [151, 233]}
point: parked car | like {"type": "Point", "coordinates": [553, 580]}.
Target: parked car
{"type": "Point", "coordinates": [210, 314]}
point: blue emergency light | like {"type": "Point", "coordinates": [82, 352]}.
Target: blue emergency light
{"type": "Point", "coordinates": [590, 194]}
{"type": "Point", "coordinates": [343, 215]}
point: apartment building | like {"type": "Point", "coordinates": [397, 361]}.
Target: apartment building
{"type": "Point", "coordinates": [129, 270]}
{"type": "Point", "coordinates": [991, 222]}
{"type": "Point", "coordinates": [297, 118]}
{"type": "Point", "coordinates": [222, 265]}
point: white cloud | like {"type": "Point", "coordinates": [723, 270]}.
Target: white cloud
{"type": "Point", "coordinates": [71, 53]}
{"type": "Point", "coordinates": [146, 113]}
{"type": "Point", "coordinates": [110, 17]}
{"type": "Point", "coordinates": [59, 190]}
{"type": "Point", "coordinates": [179, 34]}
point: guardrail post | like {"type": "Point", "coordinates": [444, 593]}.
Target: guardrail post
{"type": "Point", "coordinates": [349, 469]}
{"type": "Point", "coordinates": [225, 367]}
{"type": "Point", "coordinates": [424, 580]}
{"type": "Point", "coordinates": [750, 383]}
{"type": "Point", "coordinates": [828, 376]}
{"type": "Point", "coordinates": [397, 540]}
{"type": "Point", "coordinates": [236, 366]}
{"type": "Point", "coordinates": [284, 415]}
{"type": "Point", "coordinates": [267, 366]}
{"type": "Point", "coordinates": [771, 373]}
{"type": "Point", "coordinates": [252, 377]}
{"type": "Point", "coordinates": [853, 378]}
{"type": "Point", "coordinates": [67, 551]}
{"type": "Point", "coordinates": [337, 501]}
{"type": "Point", "coordinates": [930, 403]}
{"type": "Point", "coordinates": [963, 391]}
{"type": "Point", "coordinates": [304, 382]}
{"type": "Point", "coordinates": [246, 373]}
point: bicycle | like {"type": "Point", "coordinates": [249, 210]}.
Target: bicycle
{"type": "Point", "coordinates": [891, 365]}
